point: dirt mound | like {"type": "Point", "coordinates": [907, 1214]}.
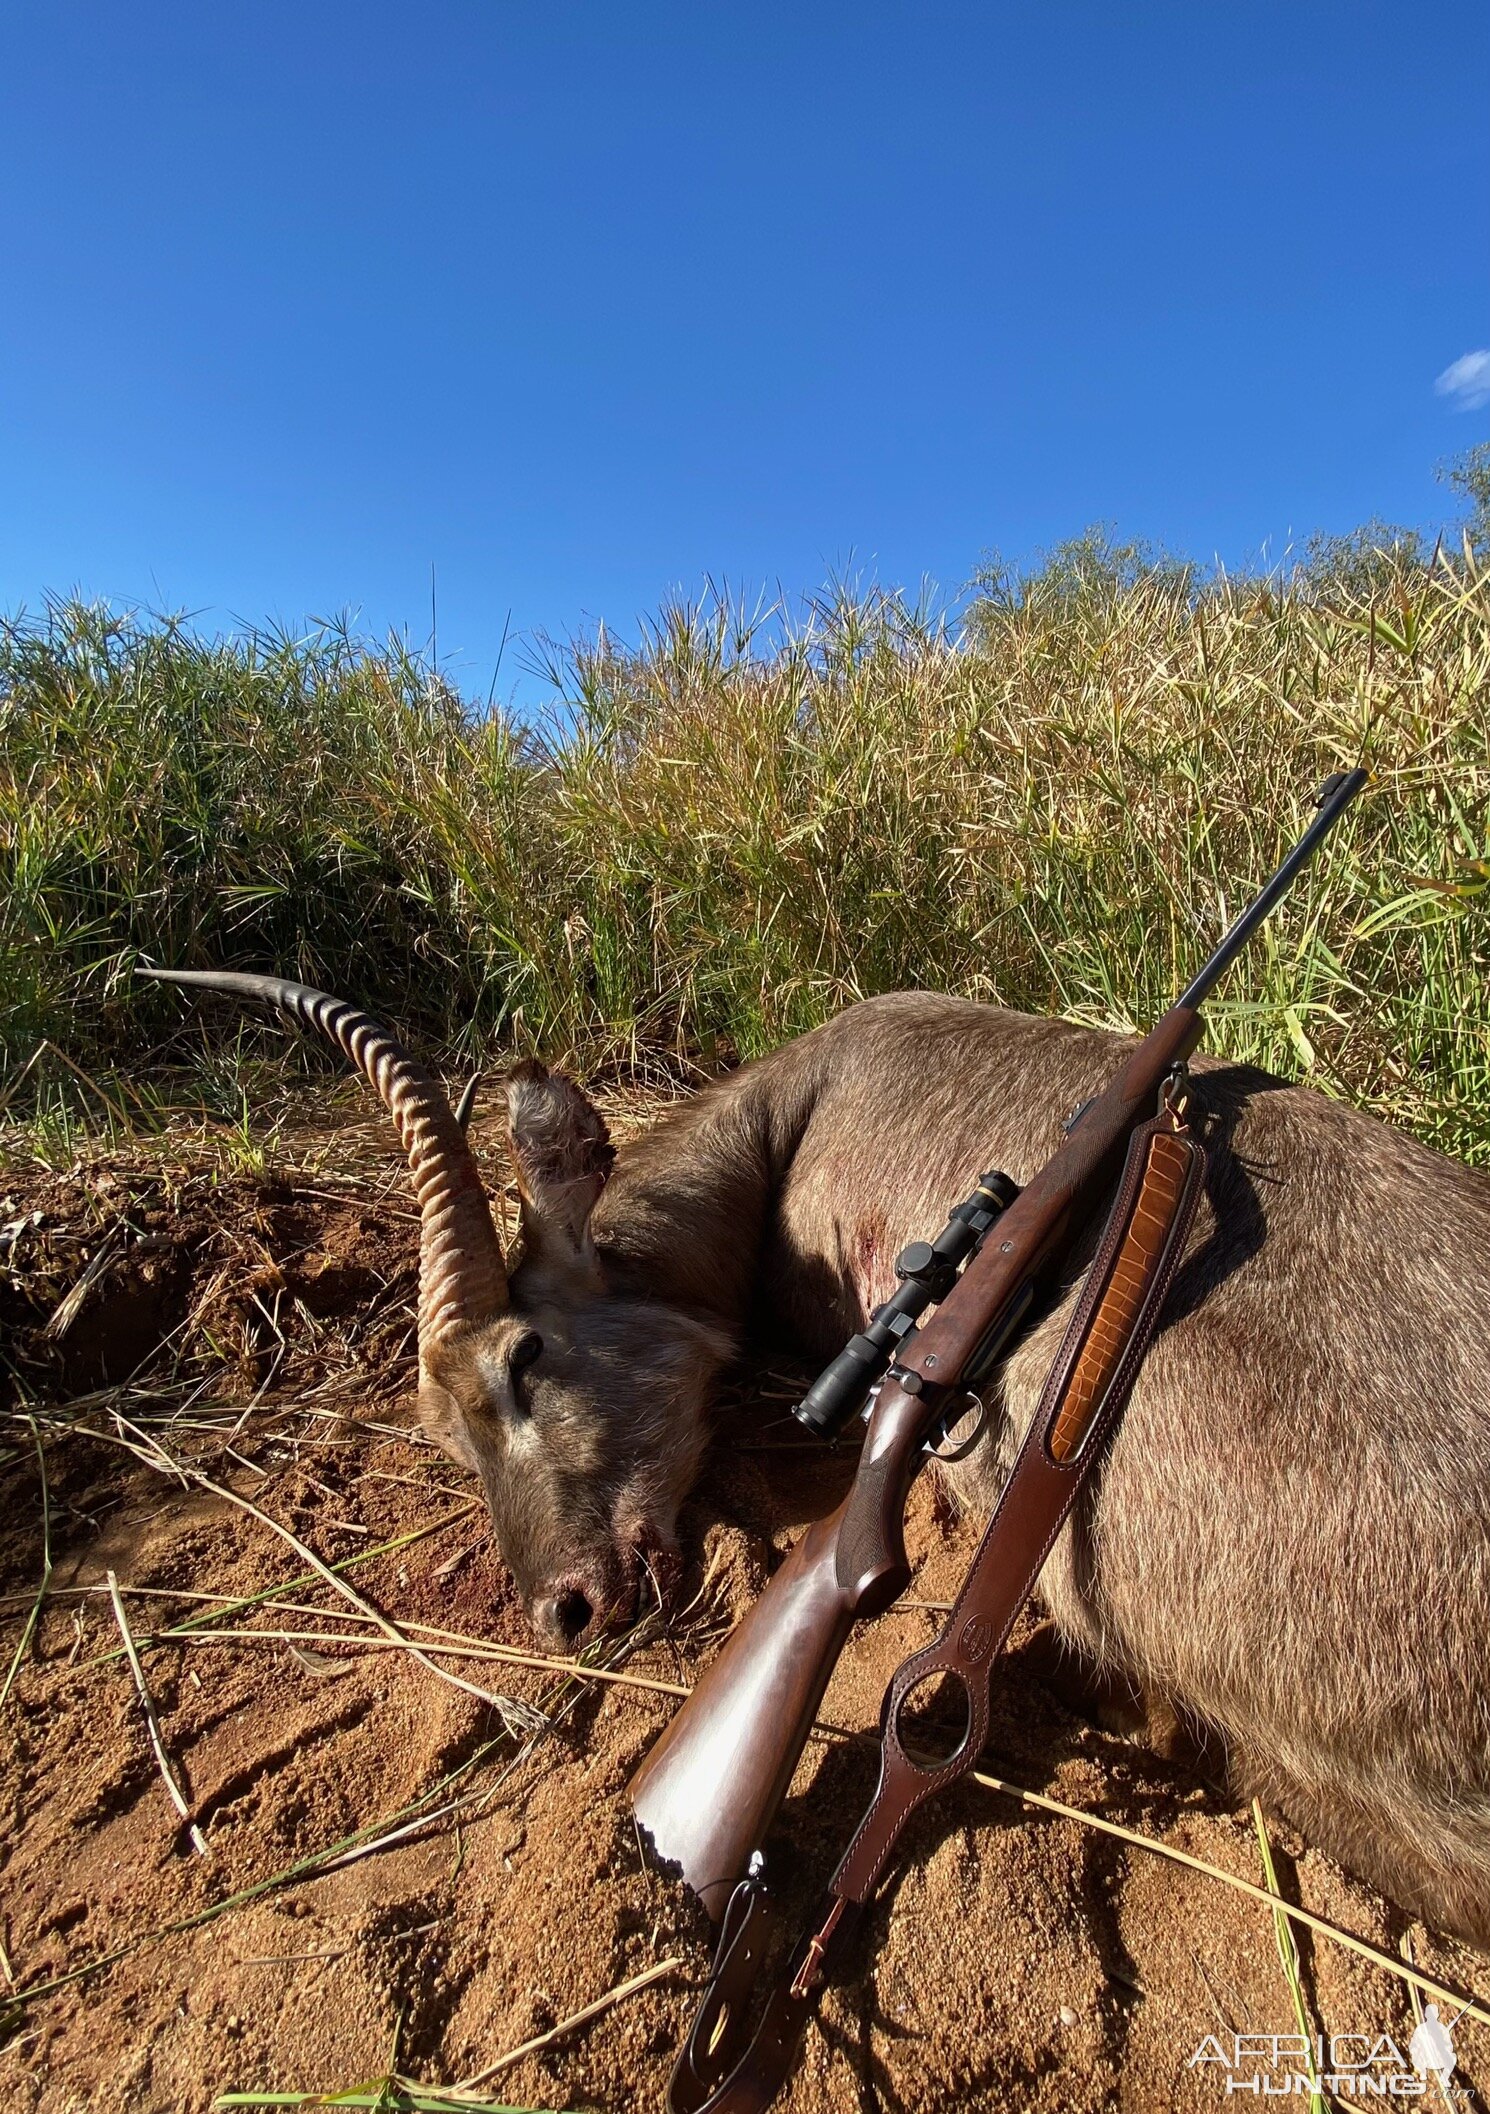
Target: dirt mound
{"type": "Point", "coordinates": [396, 1880]}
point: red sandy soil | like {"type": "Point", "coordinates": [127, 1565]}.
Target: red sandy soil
{"type": "Point", "coordinates": [1022, 1960]}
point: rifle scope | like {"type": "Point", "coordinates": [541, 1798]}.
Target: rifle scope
{"type": "Point", "coordinates": [927, 1270]}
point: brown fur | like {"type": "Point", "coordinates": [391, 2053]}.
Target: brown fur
{"type": "Point", "coordinates": [1290, 1537]}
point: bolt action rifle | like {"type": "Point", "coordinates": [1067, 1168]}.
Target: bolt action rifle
{"type": "Point", "coordinates": [709, 1789]}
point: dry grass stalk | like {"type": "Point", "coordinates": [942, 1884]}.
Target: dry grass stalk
{"type": "Point", "coordinates": [36, 1599]}
{"type": "Point", "coordinates": [507, 1655]}
{"type": "Point", "coordinates": [1332, 1931]}
{"type": "Point", "coordinates": [67, 1309]}
{"type": "Point", "coordinates": [1288, 1956]}
{"type": "Point", "coordinates": [612, 1997]}
{"type": "Point", "coordinates": [422, 1809]}
{"type": "Point", "coordinates": [163, 1760]}
{"type": "Point", "coordinates": [224, 1605]}
{"type": "Point", "coordinates": [517, 1716]}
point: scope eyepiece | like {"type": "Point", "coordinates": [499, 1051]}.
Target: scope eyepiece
{"type": "Point", "coordinates": [840, 1387]}
{"type": "Point", "coordinates": [927, 1271]}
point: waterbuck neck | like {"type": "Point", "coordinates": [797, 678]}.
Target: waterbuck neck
{"type": "Point", "coordinates": [686, 1214]}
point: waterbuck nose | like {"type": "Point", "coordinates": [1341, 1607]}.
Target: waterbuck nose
{"type": "Point", "coordinates": [562, 1618]}
{"type": "Point", "coordinates": [574, 1614]}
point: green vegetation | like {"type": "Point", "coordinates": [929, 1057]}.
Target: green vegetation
{"type": "Point", "coordinates": [724, 834]}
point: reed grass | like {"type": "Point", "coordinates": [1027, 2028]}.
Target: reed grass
{"type": "Point", "coordinates": [722, 834]}
{"type": "Point", "coordinates": [1292, 1965]}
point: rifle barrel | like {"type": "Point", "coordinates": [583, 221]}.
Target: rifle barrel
{"type": "Point", "coordinates": [1332, 799]}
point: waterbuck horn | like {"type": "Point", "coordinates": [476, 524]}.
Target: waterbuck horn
{"type": "Point", "coordinates": [462, 1278]}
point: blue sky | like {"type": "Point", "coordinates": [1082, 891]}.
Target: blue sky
{"type": "Point", "coordinates": [584, 303]}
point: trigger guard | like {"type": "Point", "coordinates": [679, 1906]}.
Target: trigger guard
{"type": "Point", "coordinates": [935, 1447]}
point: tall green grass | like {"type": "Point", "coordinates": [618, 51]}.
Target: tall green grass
{"type": "Point", "coordinates": [721, 835]}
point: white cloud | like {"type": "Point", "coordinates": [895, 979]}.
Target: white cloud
{"type": "Point", "coordinates": [1467, 381]}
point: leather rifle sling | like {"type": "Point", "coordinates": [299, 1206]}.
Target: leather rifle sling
{"type": "Point", "coordinates": [1089, 1382]}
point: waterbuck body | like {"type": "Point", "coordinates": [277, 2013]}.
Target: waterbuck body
{"type": "Point", "coordinates": [1289, 1540]}
{"type": "Point", "coordinates": [1290, 1537]}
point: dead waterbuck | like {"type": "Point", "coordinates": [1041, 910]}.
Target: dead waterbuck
{"type": "Point", "coordinates": [1290, 1537]}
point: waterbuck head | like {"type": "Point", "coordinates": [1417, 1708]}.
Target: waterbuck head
{"type": "Point", "coordinates": [580, 1410]}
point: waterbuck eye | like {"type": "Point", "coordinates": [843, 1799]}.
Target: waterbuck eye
{"type": "Point", "coordinates": [519, 1358]}
{"type": "Point", "coordinates": [524, 1351]}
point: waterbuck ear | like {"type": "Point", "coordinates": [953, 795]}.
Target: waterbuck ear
{"type": "Point", "coordinates": [563, 1155]}
{"type": "Point", "coordinates": [442, 1423]}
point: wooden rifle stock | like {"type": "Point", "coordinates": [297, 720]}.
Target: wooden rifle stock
{"type": "Point", "coordinates": [709, 1789]}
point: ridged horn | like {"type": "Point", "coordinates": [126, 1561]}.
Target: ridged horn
{"type": "Point", "coordinates": [462, 1278]}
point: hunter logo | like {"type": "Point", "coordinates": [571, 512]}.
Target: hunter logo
{"type": "Point", "coordinates": [1432, 2046]}
{"type": "Point", "coordinates": [977, 1636]}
